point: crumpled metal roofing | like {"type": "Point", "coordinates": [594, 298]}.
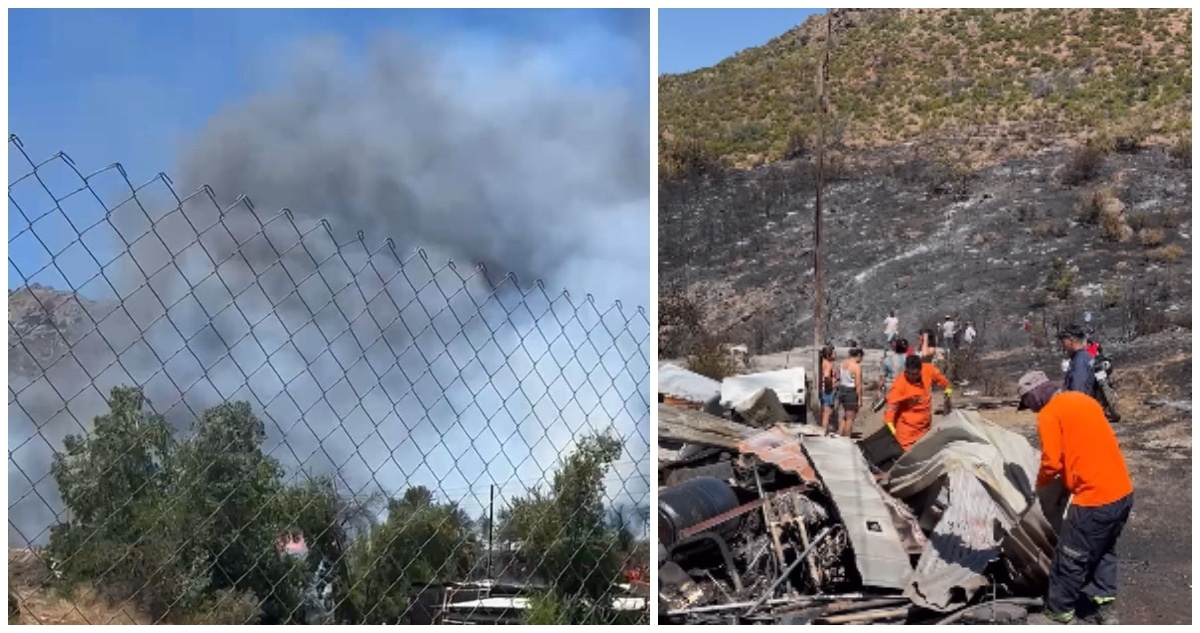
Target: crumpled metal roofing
{"type": "Point", "coordinates": [878, 547]}
{"type": "Point", "coordinates": [988, 475]}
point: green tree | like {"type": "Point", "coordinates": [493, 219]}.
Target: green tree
{"type": "Point", "coordinates": [565, 538]}
{"type": "Point", "coordinates": [222, 484]}
{"type": "Point", "coordinates": [109, 478]}
{"type": "Point", "coordinates": [422, 542]}
{"type": "Point", "coordinates": [112, 482]}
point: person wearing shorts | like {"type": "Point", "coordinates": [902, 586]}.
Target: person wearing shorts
{"type": "Point", "coordinates": [828, 390]}
{"type": "Point", "coordinates": [850, 389]}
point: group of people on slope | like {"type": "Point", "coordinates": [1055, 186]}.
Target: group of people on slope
{"type": "Point", "coordinates": [951, 334]}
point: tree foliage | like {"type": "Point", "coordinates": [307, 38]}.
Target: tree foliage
{"type": "Point", "coordinates": [188, 529]}
{"type": "Point", "coordinates": [567, 541]}
{"type": "Point", "coordinates": [192, 530]}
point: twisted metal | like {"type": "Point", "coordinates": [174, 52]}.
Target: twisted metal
{"type": "Point", "coordinates": [224, 416]}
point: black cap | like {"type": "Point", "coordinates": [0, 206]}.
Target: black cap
{"type": "Point", "coordinates": [1072, 331]}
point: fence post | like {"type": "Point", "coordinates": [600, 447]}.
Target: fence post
{"type": "Point", "coordinates": [491, 526]}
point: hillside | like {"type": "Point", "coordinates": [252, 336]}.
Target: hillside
{"type": "Point", "coordinates": [1003, 243]}
{"type": "Point", "coordinates": [1028, 76]}
{"type": "Point", "coordinates": [45, 324]}
{"type": "Point", "coordinates": [1009, 167]}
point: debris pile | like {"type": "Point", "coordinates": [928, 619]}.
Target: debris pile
{"type": "Point", "coordinates": [763, 519]}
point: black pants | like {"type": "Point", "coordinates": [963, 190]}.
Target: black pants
{"type": "Point", "coordinates": [1086, 558]}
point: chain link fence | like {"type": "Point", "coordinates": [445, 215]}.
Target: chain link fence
{"type": "Point", "coordinates": [220, 415]}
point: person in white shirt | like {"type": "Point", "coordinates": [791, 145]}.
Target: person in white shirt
{"type": "Point", "coordinates": [969, 334]}
{"type": "Point", "coordinates": [947, 331]}
{"type": "Point", "coordinates": [891, 327]}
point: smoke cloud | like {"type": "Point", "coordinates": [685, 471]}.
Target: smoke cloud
{"type": "Point", "coordinates": [367, 358]}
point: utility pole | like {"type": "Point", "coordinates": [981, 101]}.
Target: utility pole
{"type": "Point", "coordinates": [491, 526]}
{"type": "Point", "coordinates": [818, 286]}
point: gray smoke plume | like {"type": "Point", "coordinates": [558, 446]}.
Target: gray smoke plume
{"type": "Point", "coordinates": [368, 359]}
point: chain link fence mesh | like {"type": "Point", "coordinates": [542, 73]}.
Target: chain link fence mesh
{"type": "Point", "coordinates": [221, 415]}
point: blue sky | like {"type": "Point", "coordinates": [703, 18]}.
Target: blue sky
{"type": "Point", "coordinates": [71, 72]}
{"type": "Point", "coordinates": [130, 86]}
{"type": "Point", "coordinates": [133, 87]}
{"type": "Point", "coordinates": [689, 39]}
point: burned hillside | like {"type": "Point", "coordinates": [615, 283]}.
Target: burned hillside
{"type": "Point", "coordinates": [904, 230]}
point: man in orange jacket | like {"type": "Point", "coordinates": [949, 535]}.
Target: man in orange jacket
{"type": "Point", "coordinates": [1078, 445]}
{"type": "Point", "coordinates": [909, 411]}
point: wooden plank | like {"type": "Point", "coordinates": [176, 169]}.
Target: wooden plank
{"type": "Point", "coordinates": [697, 427]}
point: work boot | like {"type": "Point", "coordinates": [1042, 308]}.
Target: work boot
{"type": "Point", "coordinates": [1046, 617]}
{"type": "Point", "coordinates": [1103, 611]}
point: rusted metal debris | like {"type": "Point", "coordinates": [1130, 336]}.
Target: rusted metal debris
{"type": "Point", "coordinates": [781, 525]}
{"type": "Point", "coordinates": [776, 446]}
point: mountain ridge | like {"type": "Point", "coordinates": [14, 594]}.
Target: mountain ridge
{"type": "Point", "coordinates": [898, 75]}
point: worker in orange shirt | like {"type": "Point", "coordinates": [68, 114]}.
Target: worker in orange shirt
{"type": "Point", "coordinates": [1078, 445]}
{"type": "Point", "coordinates": [909, 412]}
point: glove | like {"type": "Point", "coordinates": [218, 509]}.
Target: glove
{"type": "Point", "coordinates": [949, 392]}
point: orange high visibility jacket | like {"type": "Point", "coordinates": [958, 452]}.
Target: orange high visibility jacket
{"type": "Point", "coordinates": [910, 407]}
{"type": "Point", "coordinates": [1078, 443]}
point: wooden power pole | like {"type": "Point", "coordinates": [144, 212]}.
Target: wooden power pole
{"type": "Point", "coordinates": [818, 285]}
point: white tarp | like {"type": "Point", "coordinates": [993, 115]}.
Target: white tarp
{"type": "Point", "coordinates": [1005, 466]}
{"type": "Point", "coordinates": [681, 383]}
{"type": "Point", "coordinates": [788, 384]}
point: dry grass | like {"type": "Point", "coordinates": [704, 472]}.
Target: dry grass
{"type": "Point", "coordinates": [36, 603]}
{"type": "Point", "coordinates": [1126, 136]}
{"type": "Point", "coordinates": [1112, 295]}
{"type": "Point", "coordinates": [1082, 165]}
{"type": "Point", "coordinates": [1093, 202]}
{"type": "Point", "coordinates": [1172, 218]}
{"type": "Point", "coordinates": [1151, 237]}
{"type": "Point", "coordinates": [1181, 151]}
{"type": "Point", "coordinates": [1051, 228]}
{"type": "Point", "coordinates": [709, 358]}
{"type": "Point", "coordinates": [1113, 226]}
{"type": "Point", "coordinates": [1061, 280]}
{"type": "Point", "coordinates": [1139, 220]}
{"type": "Point", "coordinates": [1168, 254]}
{"type": "Point", "coordinates": [998, 82]}
{"type": "Point", "coordinates": [42, 606]}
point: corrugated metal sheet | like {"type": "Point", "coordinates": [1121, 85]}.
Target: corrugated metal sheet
{"type": "Point", "coordinates": [965, 540]}
{"type": "Point", "coordinates": [878, 549]}
{"type": "Point", "coordinates": [1005, 467]}
{"type": "Point", "coordinates": [776, 446]}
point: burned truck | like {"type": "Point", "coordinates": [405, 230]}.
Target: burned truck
{"type": "Point", "coordinates": [779, 524]}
